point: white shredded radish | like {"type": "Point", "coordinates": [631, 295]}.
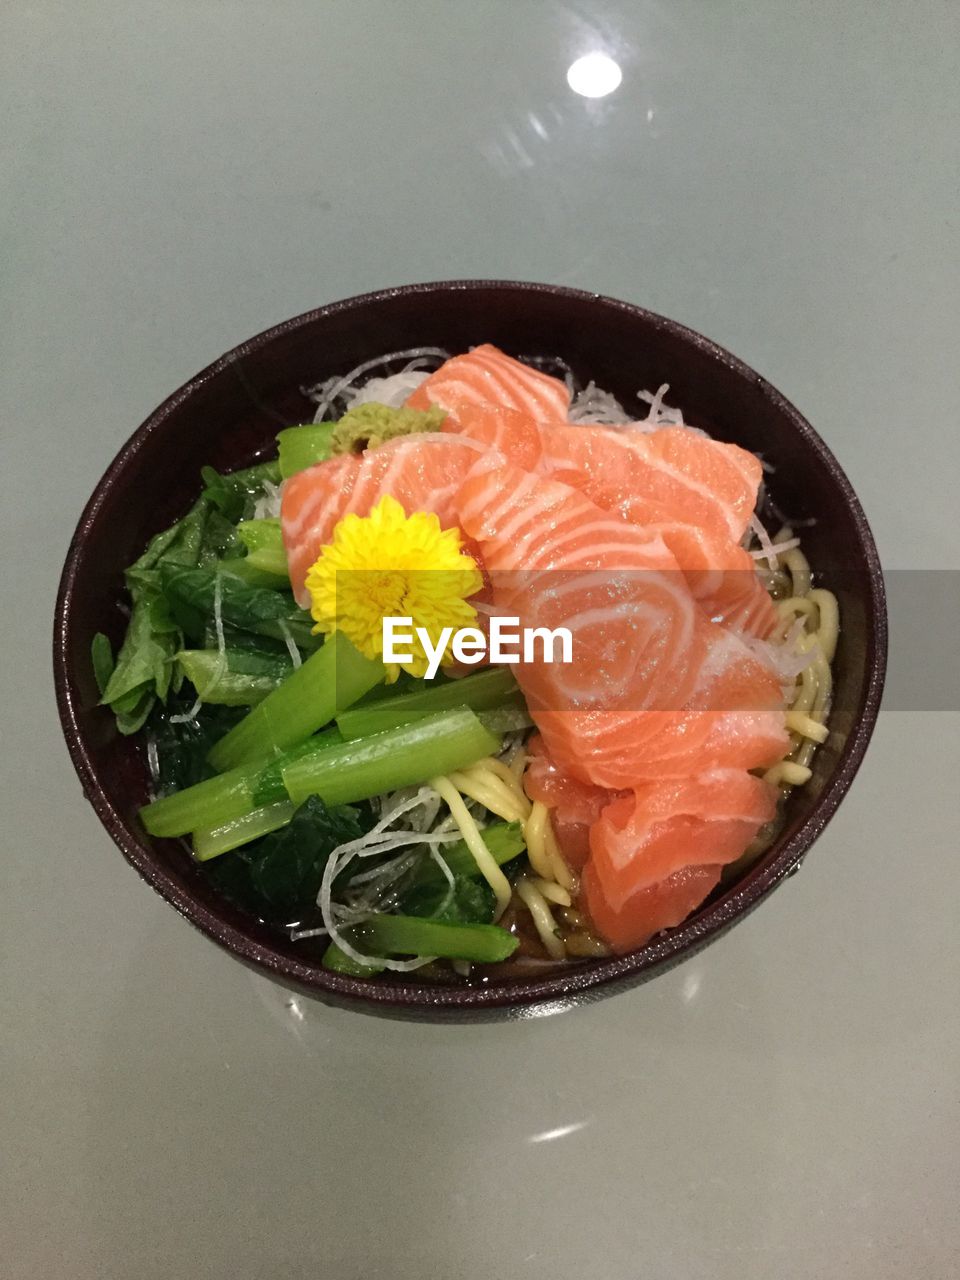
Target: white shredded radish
{"type": "Point", "coordinates": [268, 507]}
{"type": "Point", "coordinates": [768, 551]}
{"type": "Point", "coordinates": [660, 414]}
{"type": "Point", "coordinates": [189, 717]}
{"type": "Point", "coordinates": [325, 394]}
{"type": "Point", "coordinates": [593, 405]}
{"type": "Point", "coordinates": [291, 644]}
{"type": "Point", "coordinates": [392, 391]}
{"type": "Point", "coordinates": [762, 553]}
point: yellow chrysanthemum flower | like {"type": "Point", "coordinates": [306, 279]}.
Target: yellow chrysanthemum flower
{"type": "Point", "coordinates": [391, 565]}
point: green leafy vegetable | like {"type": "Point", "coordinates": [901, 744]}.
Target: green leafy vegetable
{"type": "Point", "coordinates": [191, 594]}
{"type": "Point", "coordinates": [101, 656]}
{"type": "Point", "coordinates": [279, 875]}
{"type": "Point", "coordinates": [329, 681]}
{"type": "Point", "coordinates": [235, 679]}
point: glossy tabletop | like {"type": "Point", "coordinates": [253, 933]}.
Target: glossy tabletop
{"type": "Point", "coordinates": [177, 176]}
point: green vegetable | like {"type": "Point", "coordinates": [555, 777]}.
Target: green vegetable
{"type": "Point", "coordinates": [504, 840]}
{"type": "Point", "coordinates": [328, 682]}
{"type": "Point", "coordinates": [339, 962]}
{"type": "Point", "coordinates": [235, 493]}
{"type": "Point", "coordinates": [191, 594]}
{"type": "Point", "coordinates": [480, 692]}
{"type": "Point", "coordinates": [279, 875]}
{"type": "Point", "coordinates": [213, 841]}
{"type": "Point", "coordinates": [101, 656]}
{"type": "Point", "coordinates": [145, 664]}
{"type": "Point", "coordinates": [237, 679]}
{"type": "Point", "coordinates": [408, 935]}
{"type": "Point", "coordinates": [264, 542]}
{"type": "Point", "coordinates": [372, 424]}
{"type": "Point", "coordinates": [240, 567]}
{"type": "Point", "coordinates": [398, 757]}
{"type": "Point", "coordinates": [217, 800]}
{"type": "Point", "coordinates": [302, 447]}
{"type": "Point", "coordinates": [511, 716]}
{"type": "Point", "coordinates": [180, 749]}
{"type": "Point", "coordinates": [472, 900]}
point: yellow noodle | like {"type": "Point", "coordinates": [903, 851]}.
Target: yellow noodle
{"type": "Point", "coordinates": [508, 778]}
{"type": "Point", "coordinates": [533, 830]}
{"type": "Point", "coordinates": [798, 723]}
{"type": "Point", "coordinates": [544, 922]}
{"type": "Point", "coordinates": [828, 631]}
{"type": "Point", "coordinates": [561, 872]}
{"type": "Point", "coordinates": [492, 798]}
{"type": "Point", "coordinates": [799, 567]}
{"type": "Point", "coordinates": [787, 772]}
{"type": "Point", "coordinates": [553, 892]}
{"type": "Point", "coordinates": [485, 860]}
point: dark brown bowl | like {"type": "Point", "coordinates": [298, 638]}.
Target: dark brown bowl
{"type": "Point", "coordinates": [227, 416]}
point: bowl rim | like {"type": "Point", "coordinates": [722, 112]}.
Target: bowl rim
{"type": "Point", "coordinates": [524, 994]}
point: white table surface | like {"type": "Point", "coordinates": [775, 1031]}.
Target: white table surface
{"type": "Point", "coordinates": [177, 176]}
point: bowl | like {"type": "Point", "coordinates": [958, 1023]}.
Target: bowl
{"type": "Point", "coordinates": [228, 415]}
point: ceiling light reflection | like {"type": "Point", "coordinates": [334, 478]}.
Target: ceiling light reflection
{"type": "Point", "coordinates": [594, 75]}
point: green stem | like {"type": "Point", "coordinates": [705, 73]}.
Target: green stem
{"type": "Point", "coordinates": [264, 542]}
{"type": "Point", "coordinates": [231, 795]}
{"type": "Point", "coordinates": [302, 447]}
{"type": "Point", "coordinates": [329, 681]}
{"type": "Point", "coordinates": [481, 692]}
{"type": "Point", "coordinates": [412, 936]}
{"type": "Point", "coordinates": [400, 757]}
{"type": "Point", "coordinates": [213, 841]}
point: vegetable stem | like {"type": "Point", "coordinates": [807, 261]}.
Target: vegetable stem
{"type": "Point", "coordinates": [302, 447]}
{"type": "Point", "coordinates": [329, 681]}
{"type": "Point", "coordinates": [212, 841]}
{"type": "Point", "coordinates": [400, 757]}
{"type": "Point", "coordinates": [411, 935]}
{"type": "Point", "coordinates": [482, 692]}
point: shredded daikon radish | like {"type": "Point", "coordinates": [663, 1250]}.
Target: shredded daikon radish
{"type": "Point", "coordinates": [592, 404]}
{"type": "Point", "coordinates": [325, 393]}
{"type": "Point", "coordinates": [268, 507]}
{"type": "Point", "coordinates": [189, 717]}
{"type": "Point", "coordinates": [289, 641]}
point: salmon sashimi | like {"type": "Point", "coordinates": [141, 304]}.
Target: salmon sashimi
{"type": "Point", "coordinates": [423, 472]}
{"type": "Point", "coordinates": [656, 853]}
{"type": "Point", "coordinates": [697, 493]}
{"type": "Point", "coordinates": [574, 805]}
{"type": "Point", "coordinates": [486, 376]}
{"type": "Point", "coordinates": [662, 906]}
{"type": "Point", "coordinates": [655, 689]}
{"type": "Point", "coordinates": [690, 490]}
{"type": "Point", "coordinates": [655, 830]}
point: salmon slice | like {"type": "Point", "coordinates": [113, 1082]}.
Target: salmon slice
{"type": "Point", "coordinates": [625, 472]}
{"type": "Point", "coordinates": [655, 830]}
{"type": "Point", "coordinates": [574, 805]}
{"type": "Point", "coordinates": [655, 689]}
{"type": "Point", "coordinates": [655, 854]}
{"type": "Point", "coordinates": [662, 906]}
{"type": "Point", "coordinates": [486, 376]}
{"type": "Point", "coordinates": [423, 472]}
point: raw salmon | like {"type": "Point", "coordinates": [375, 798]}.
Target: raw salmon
{"type": "Point", "coordinates": [674, 482]}
{"type": "Point", "coordinates": [655, 689]}
{"type": "Point", "coordinates": [423, 472]}
{"type": "Point", "coordinates": [662, 906]}
{"type": "Point", "coordinates": [656, 853]}
{"type": "Point", "coordinates": [574, 805]}
{"type": "Point", "coordinates": [486, 376]}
